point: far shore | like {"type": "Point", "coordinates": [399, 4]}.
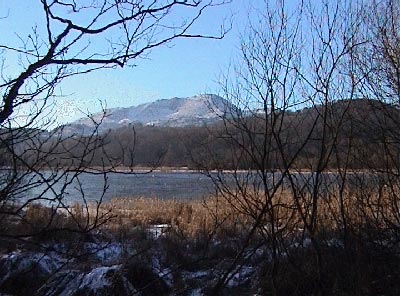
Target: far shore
{"type": "Point", "coordinates": [163, 169]}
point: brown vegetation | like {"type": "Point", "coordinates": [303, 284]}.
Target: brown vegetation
{"type": "Point", "coordinates": [356, 230]}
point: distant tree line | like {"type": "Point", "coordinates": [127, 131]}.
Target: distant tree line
{"type": "Point", "coordinates": [220, 146]}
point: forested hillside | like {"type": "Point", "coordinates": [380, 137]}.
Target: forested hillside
{"type": "Point", "coordinates": [363, 131]}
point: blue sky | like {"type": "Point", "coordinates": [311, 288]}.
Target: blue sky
{"type": "Point", "coordinates": [185, 67]}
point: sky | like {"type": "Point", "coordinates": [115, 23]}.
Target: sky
{"type": "Point", "coordinates": [185, 67]}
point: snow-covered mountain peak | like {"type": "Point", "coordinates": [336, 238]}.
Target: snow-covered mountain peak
{"type": "Point", "coordinates": [195, 110]}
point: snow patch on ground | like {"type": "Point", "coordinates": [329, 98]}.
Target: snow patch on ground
{"type": "Point", "coordinates": [17, 262]}
{"type": "Point", "coordinates": [158, 230]}
{"type": "Point", "coordinates": [99, 281]}
{"type": "Point", "coordinates": [240, 277]}
{"type": "Point", "coordinates": [164, 273]}
{"type": "Point", "coordinates": [196, 274]}
{"type": "Point", "coordinates": [109, 253]}
{"type": "Point", "coordinates": [98, 278]}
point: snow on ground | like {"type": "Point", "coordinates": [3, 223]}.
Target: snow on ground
{"type": "Point", "coordinates": [104, 280]}
{"type": "Point", "coordinates": [18, 262]}
{"type": "Point", "coordinates": [107, 253]}
{"type": "Point", "coordinates": [196, 274]}
{"type": "Point", "coordinates": [104, 270]}
{"type": "Point", "coordinates": [240, 277]}
{"type": "Point", "coordinates": [98, 278]}
{"type": "Point", "coordinates": [158, 230]}
{"type": "Point", "coordinates": [164, 273]}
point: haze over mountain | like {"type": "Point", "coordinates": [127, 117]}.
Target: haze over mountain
{"type": "Point", "coordinates": [175, 112]}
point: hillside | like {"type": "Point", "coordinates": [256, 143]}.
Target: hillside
{"type": "Point", "coordinates": [175, 112]}
{"type": "Point", "coordinates": [174, 137]}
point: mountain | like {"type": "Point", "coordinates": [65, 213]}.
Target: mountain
{"type": "Point", "coordinates": [176, 112]}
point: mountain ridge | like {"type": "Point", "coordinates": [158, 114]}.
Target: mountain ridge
{"type": "Point", "coordinates": [174, 112]}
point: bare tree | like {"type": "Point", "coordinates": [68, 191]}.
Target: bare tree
{"type": "Point", "coordinates": [70, 38]}
{"type": "Point", "coordinates": [290, 168]}
{"type": "Point", "coordinates": [377, 64]}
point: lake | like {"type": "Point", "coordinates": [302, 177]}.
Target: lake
{"type": "Point", "coordinates": [163, 185]}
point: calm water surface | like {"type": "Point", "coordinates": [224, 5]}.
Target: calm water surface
{"type": "Point", "coordinates": [180, 185]}
{"type": "Point", "coordinates": [163, 185]}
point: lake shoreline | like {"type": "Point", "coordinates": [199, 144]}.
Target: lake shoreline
{"type": "Point", "coordinates": [148, 170]}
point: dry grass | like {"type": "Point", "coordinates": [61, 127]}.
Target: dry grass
{"type": "Point", "coordinates": [188, 218]}
{"type": "Point", "coordinates": [230, 216]}
{"type": "Point", "coordinates": [226, 217]}
{"type": "Point", "coordinates": [366, 213]}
